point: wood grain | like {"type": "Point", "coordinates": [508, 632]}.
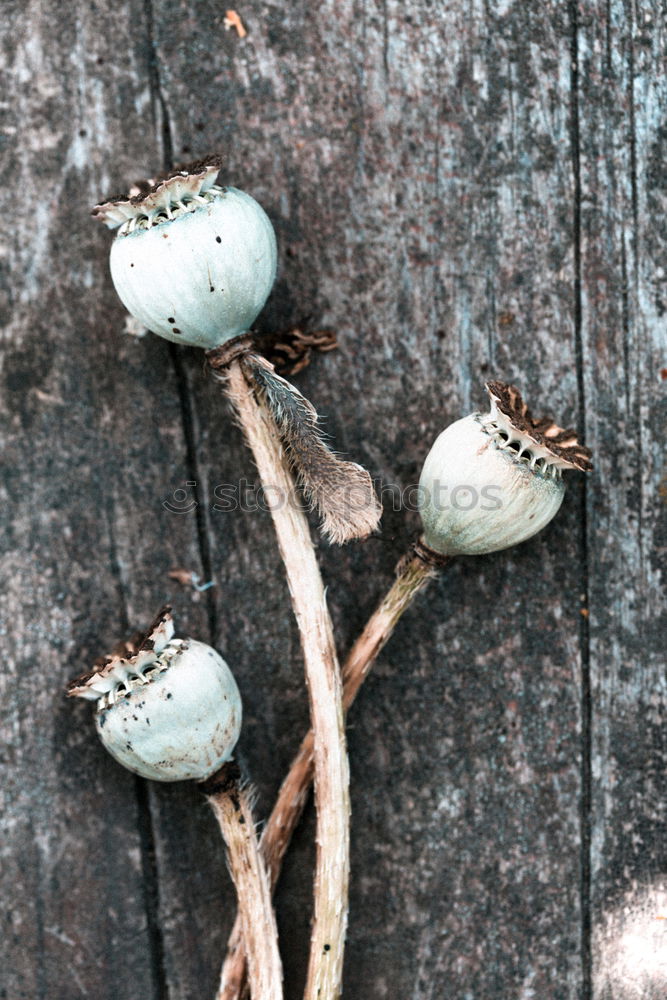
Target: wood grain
{"type": "Point", "coordinates": [461, 191]}
{"type": "Point", "coordinates": [624, 257]}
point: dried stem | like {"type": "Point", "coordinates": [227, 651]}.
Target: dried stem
{"type": "Point", "coordinates": [413, 574]}
{"type": "Point", "coordinates": [324, 687]}
{"type": "Point", "coordinates": [229, 800]}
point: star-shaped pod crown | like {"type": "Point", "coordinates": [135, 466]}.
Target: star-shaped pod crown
{"type": "Point", "coordinates": [128, 663]}
{"type": "Point", "coordinates": [161, 197]}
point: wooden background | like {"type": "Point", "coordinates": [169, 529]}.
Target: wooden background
{"type": "Point", "coordinates": [461, 189]}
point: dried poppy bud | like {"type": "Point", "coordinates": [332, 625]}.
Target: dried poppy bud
{"type": "Point", "coordinates": [492, 480]}
{"type": "Point", "coordinates": [192, 261]}
{"type": "Point", "coordinates": [167, 709]}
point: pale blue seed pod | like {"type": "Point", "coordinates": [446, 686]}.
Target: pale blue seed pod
{"type": "Point", "coordinates": [192, 262]}
{"type": "Point", "coordinates": [171, 711]}
{"type": "Point", "coordinates": [493, 480]}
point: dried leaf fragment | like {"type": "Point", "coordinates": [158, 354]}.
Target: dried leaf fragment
{"type": "Point", "coordinates": [342, 492]}
{"type": "Point", "coordinates": [290, 351]}
{"type": "Point", "coordinates": [232, 20]}
{"type": "Point", "coordinates": [188, 578]}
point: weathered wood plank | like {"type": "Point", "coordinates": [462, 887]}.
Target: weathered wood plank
{"type": "Point", "coordinates": [92, 441]}
{"type": "Point", "coordinates": [418, 169]}
{"type": "Point", "coordinates": [418, 165]}
{"type": "Point", "coordinates": [624, 260]}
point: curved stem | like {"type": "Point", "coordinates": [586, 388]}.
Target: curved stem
{"type": "Point", "coordinates": [324, 688]}
{"type": "Point", "coordinates": [230, 803]}
{"type": "Point", "coordinates": [413, 574]}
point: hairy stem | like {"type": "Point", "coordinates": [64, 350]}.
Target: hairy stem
{"type": "Point", "coordinates": [413, 574]}
{"type": "Point", "coordinates": [324, 688]}
{"type": "Point", "coordinates": [230, 803]}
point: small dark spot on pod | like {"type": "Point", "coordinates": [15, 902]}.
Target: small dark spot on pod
{"type": "Point", "coordinates": [169, 695]}
{"type": "Point", "coordinates": [170, 319]}
{"type": "Point", "coordinates": [327, 947]}
{"type": "Point", "coordinates": [131, 265]}
{"type": "Point", "coordinates": [175, 329]}
{"type": "Point", "coordinates": [218, 239]}
{"type": "Point", "coordinates": [211, 289]}
{"type": "Point", "coordinates": [148, 722]}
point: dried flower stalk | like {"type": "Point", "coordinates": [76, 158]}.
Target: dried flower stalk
{"type": "Point", "coordinates": [169, 709]}
{"type": "Point", "coordinates": [413, 574]}
{"type": "Point", "coordinates": [230, 802]}
{"type": "Point", "coordinates": [529, 454]}
{"type": "Point", "coordinates": [324, 688]}
{"type": "Point", "coordinates": [214, 249]}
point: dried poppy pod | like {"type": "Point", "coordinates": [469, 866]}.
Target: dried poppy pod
{"type": "Point", "coordinates": [167, 709]}
{"type": "Point", "coordinates": [165, 274]}
{"type": "Point", "coordinates": [470, 466]}
{"type": "Point", "coordinates": [493, 480]}
{"type": "Point", "coordinates": [192, 261]}
{"type": "Point", "coordinates": [195, 262]}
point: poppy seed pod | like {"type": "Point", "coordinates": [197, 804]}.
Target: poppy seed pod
{"type": "Point", "coordinates": [192, 261]}
{"type": "Point", "coordinates": [167, 709]}
{"type": "Point", "coordinates": [493, 480]}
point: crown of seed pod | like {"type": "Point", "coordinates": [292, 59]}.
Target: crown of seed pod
{"type": "Point", "coordinates": [192, 261]}
{"type": "Point", "coordinates": [167, 709]}
{"type": "Point", "coordinates": [493, 480]}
